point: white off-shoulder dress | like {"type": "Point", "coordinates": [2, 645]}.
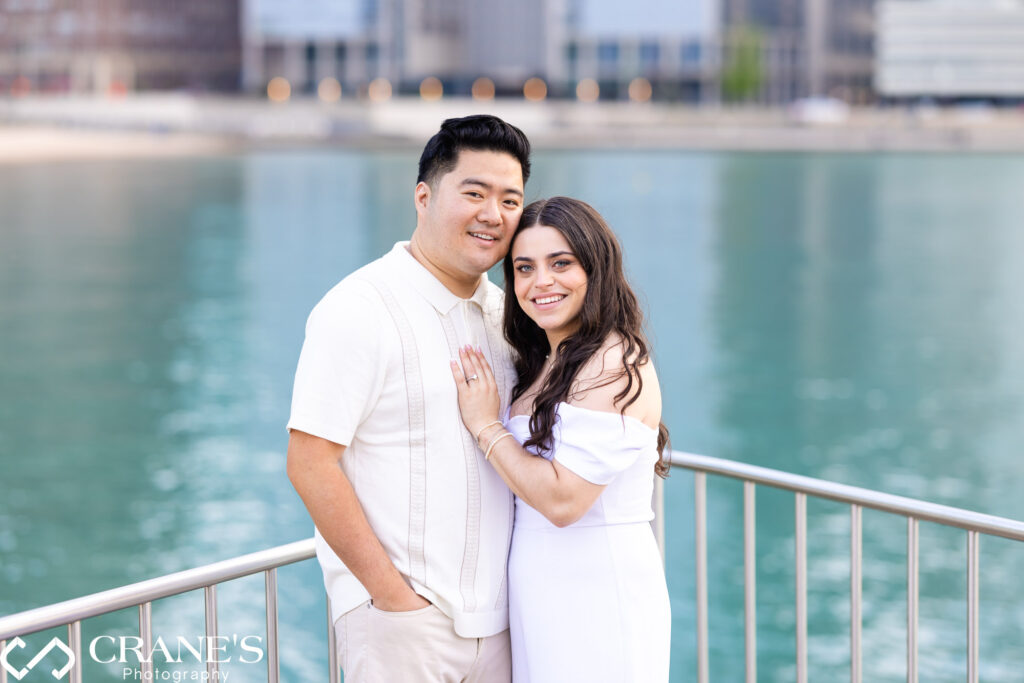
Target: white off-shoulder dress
{"type": "Point", "coordinates": [588, 602]}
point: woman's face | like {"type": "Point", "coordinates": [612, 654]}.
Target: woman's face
{"type": "Point", "coordinates": [550, 283]}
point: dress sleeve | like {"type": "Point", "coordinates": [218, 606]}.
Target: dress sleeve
{"type": "Point", "coordinates": [597, 445]}
{"type": "Point", "coordinates": [341, 367]}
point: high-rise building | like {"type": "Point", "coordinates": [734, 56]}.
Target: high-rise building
{"type": "Point", "coordinates": [119, 45]}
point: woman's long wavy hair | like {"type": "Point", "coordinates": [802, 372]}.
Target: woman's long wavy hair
{"type": "Point", "coordinates": [609, 307]}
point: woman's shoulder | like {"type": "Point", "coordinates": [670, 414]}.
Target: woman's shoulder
{"type": "Point", "coordinates": [605, 376]}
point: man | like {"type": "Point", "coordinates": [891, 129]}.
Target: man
{"type": "Point", "coordinates": [413, 526]}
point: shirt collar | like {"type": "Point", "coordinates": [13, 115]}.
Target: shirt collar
{"type": "Point", "coordinates": [429, 287]}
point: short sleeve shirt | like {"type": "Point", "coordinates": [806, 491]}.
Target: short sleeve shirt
{"type": "Point", "coordinates": [374, 376]}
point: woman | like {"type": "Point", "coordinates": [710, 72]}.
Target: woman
{"type": "Point", "coordinates": [579, 446]}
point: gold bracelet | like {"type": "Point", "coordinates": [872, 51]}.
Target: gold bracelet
{"type": "Point", "coordinates": [489, 424]}
{"type": "Point", "coordinates": [487, 455]}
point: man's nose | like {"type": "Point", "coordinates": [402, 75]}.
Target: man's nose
{"type": "Point", "coordinates": [489, 213]}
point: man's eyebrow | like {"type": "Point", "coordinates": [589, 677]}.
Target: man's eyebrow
{"type": "Point", "coordinates": [488, 186]}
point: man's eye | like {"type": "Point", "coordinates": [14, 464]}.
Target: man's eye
{"type": "Point", "coordinates": [511, 203]}
{"type": "Point", "coordinates": [475, 195]}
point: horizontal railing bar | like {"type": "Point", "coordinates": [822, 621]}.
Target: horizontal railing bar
{"type": "Point", "coordinates": [908, 507]}
{"type": "Point", "coordinates": [135, 594]}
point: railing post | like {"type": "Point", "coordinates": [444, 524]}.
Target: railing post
{"type": "Point", "coordinates": [273, 663]}
{"type": "Point", "coordinates": [146, 634]}
{"type": "Point", "coordinates": [212, 665]}
{"type": "Point", "coordinates": [75, 644]}
{"type": "Point", "coordinates": [750, 582]}
{"type": "Point", "coordinates": [801, 587]}
{"type": "Point", "coordinates": [332, 647]}
{"type": "Point", "coordinates": [3, 671]}
{"type": "Point", "coordinates": [856, 584]}
{"type": "Point", "coordinates": [912, 597]}
{"type": "Point", "coordinates": [972, 606]}
{"type": "Point", "coordinates": [701, 560]}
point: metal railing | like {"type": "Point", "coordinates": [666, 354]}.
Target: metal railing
{"type": "Point", "coordinates": [72, 612]}
{"type": "Point", "coordinates": [913, 510]}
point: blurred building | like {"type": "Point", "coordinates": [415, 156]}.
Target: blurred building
{"type": "Point", "coordinates": [766, 51]}
{"type": "Point", "coordinates": [664, 49]}
{"type": "Point", "coordinates": [504, 44]}
{"type": "Point", "coordinates": [951, 49]}
{"type": "Point", "coordinates": [119, 45]}
{"type": "Point", "coordinates": [401, 41]}
{"type": "Point", "coordinates": [804, 48]}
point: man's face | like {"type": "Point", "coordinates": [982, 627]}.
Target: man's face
{"type": "Point", "coordinates": [467, 219]}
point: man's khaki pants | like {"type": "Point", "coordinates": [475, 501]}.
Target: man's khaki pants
{"type": "Point", "coordinates": [421, 646]}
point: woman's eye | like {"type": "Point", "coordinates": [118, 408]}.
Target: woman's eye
{"type": "Point", "coordinates": [562, 264]}
{"type": "Point", "coordinates": [524, 269]}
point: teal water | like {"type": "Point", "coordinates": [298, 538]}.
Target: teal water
{"type": "Point", "coordinates": [856, 318]}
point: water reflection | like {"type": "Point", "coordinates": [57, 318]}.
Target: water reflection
{"type": "Point", "coordinates": [860, 331]}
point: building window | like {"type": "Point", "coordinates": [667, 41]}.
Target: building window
{"type": "Point", "coordinates": [372, 53]}
{"type": "Point", "coordinates": [649, 55]}
{"type": "Point", "coordinates": [691, 53]}
{"type": "Point", "coordinates": [310, 84]}
{"type": "Point", "coordinates": [608, 54]}
{"type": "Point", "coordinates": [572, 53]}
{"type": "Point", "coordinates": [340, 54]}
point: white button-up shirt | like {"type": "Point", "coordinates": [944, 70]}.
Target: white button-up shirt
{"type": "Point", "coordinates": [374, 376]}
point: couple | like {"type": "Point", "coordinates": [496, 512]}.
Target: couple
{"type": "Point", "coordinates": [479, 466]}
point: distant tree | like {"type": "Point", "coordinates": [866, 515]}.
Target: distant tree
{"type": "Point", "coordinates": [741, 75]}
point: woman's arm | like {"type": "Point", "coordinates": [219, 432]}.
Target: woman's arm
{"type": "Point", "coordinates": [556, 492]}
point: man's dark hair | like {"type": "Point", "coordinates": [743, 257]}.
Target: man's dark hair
{"type": "Point", "coordinates": [481, 132]}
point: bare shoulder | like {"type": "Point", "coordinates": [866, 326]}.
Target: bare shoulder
{"type": "Point", "coordinates": [604, 377]}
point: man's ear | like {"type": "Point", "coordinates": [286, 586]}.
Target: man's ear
{"type": "Point", "coordinates": [421, 197]}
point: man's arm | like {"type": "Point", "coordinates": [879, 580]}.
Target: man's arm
{"type": "Point", "coordinates": [313, 468]}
